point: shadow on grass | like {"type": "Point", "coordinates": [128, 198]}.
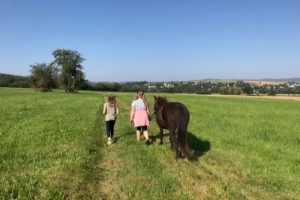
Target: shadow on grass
{"type": "Point", "coordinates": [154, 138]}
{"type": "Point", "coordinates": [199, 146]}
{"type": "Point", "coordinates": [116, 139]}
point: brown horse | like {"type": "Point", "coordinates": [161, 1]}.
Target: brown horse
{"type": "Point", "coordinates": [175, 117]}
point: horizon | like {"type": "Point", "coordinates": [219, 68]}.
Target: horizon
{"type": "Point", "coordinates": [205, 79]}
{"type": "Point", "coordinates": [157, 41]}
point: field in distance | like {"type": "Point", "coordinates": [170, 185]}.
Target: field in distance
{"type": "Point", "coordinates": [255, 82]}
{"type": "Point", "coordinates": [259, 83]}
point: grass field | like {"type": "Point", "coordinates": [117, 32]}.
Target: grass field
{"type": "Point", "coordinates": [53, 147]}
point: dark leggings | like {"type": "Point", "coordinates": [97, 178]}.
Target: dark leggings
{"type": "Point", "coordinates": [110, 128]}
{"type": "Point", "coordinates": [141, 128]}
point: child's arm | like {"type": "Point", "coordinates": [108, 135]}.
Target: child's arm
{"type": "Point", "coordinates": [132, 114]}
{"type": "Point", "coordinates": [117, 110]}
{"type": "Point", "coordinates": [104, 109]}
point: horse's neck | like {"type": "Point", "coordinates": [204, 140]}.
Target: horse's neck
{"type": "Point", "coordinates": [159, 114]}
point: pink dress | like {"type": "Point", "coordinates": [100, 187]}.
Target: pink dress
{"type": "Point", "coordinates": [140, 115]}
{"type": "Point", "coordinates": [141, 118]}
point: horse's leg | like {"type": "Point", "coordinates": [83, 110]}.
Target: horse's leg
{"type": "Point", "coordinates": [171, 138]}
{"type": "Point", "coordinates": [174, 142]}
{"type": "Point", "coordinates": [171, 141]}
{"type": "Point", "coordinates": [176, 146]}
{"type": "Point", "coordinates": [161, 135]}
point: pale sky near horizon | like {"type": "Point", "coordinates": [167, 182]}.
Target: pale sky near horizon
{"type": "Point", "coordinates": [166, 40]}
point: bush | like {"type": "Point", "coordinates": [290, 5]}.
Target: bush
{"type": "Point", "coordinates": [230, 91]}
{"type": "Point", "coordinates": [224, 90]}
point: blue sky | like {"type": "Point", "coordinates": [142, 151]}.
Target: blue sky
{"type": "Point", "coordinates": [171, 40]}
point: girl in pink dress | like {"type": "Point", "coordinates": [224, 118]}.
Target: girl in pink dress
{"type": "Point", "coordinates": [139, 116]}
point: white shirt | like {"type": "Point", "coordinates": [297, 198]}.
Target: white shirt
{"type": "Point", "coordinates": [138, 104]}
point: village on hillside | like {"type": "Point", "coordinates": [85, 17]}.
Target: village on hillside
{"type": "Point", "coordinates": [218, 86]}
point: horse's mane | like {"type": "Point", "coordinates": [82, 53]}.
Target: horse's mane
{"type": "Point", "coordinates": [161, 100]}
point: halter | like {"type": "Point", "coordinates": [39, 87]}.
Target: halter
{"type": "Point", "coordinates": [152, 115]}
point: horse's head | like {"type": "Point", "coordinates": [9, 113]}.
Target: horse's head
{"type": "Point", "coordinates": [159, 102]}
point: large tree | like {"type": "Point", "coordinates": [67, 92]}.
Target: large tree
{"type": "Point", "coordinates": [69, 63]}
{"type": "Point", "coordinates": [43, 76]}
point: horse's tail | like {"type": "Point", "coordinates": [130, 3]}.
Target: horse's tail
{"type": "Point", "coordinates": [182, 124]}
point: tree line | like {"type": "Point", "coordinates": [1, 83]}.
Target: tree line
{"type": "Point", "coordinates": [232, 88]}
{"type": "Point", "coordinates": [66, 72]}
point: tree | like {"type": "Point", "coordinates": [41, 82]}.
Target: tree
{"type": "Point", "coordinates": [69, 63]}
{"type": "Point", "coordinates": [271, 92]}
{"type": "Point", "coordinates": [248, 90]}
{"type": "Point", "coordinates": [189, 90]}
{"type": "Point", "coordinates": [43, 76]}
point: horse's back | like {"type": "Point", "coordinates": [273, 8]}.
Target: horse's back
{"type": "Point", "coordinates": [174, 107]}
{"type": "Point", "coordinates": [173, 111]}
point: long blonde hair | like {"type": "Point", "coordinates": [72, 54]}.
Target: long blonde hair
{"type": "Point", "coordinates": [141, 95]}
{"type": "Point", "coordinates": [111, 100]}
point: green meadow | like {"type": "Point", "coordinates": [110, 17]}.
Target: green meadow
{"type": "Point", "coordinates": [53, 146]}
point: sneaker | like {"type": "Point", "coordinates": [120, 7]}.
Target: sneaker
{"type": "Point", "coordinates": [147, 142]}
{"type": "Point", "coordinates": [109, 141]}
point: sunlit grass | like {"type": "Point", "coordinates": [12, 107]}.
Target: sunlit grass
{"type": "Point", "coordinates": [47, 143]}
{"type": "Point", "coordinates": [53, 146]}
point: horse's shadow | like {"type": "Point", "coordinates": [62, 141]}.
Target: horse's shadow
{"type": "Point", "coordinates": [199, 146]}
{"type": "Point", "coordinates": [155, 138]}
{"type": "Point", "coordinates": [116, 139]}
